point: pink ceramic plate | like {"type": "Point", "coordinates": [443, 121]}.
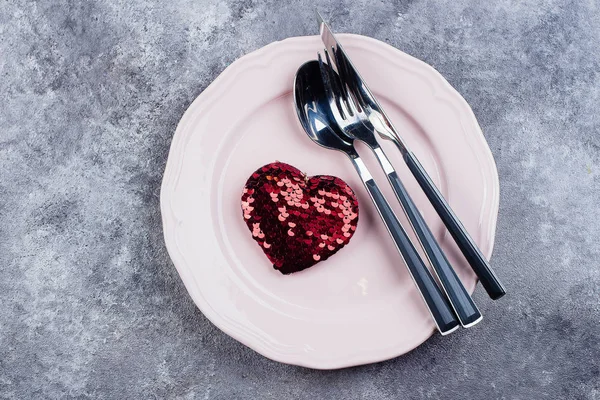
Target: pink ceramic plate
{"type": "Point", "coordinates": [360, 306]}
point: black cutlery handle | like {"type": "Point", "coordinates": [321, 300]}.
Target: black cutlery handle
{"type": "Point", "coordinates": [461, 301]}
{"type": "Point", "coordinates": [488, 278]}
{"type": "Point", "coordinates": [435, 300]}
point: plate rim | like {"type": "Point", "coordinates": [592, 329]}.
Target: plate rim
{"type": "Point", "coordinates": [257, 59]}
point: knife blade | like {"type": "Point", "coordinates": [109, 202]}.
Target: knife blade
{"type": "Point", "coordinates": [344, 67]}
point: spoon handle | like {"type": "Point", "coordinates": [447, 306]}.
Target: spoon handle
{"type": "Point", "coordinates": [461, 301]}
{"type": "Point", "coordinates": [439, 308]}
{"type": "Point", "coordinates": [480, 265]}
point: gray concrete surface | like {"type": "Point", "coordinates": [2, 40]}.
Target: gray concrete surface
{"type": "Point", "coordinates": [91, 92]}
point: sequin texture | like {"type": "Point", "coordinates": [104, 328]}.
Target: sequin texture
{"type": "Point", "coordinates": [297, 220]}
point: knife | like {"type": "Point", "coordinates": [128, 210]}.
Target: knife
{"type": "Point", "coordinates": [384, 127]}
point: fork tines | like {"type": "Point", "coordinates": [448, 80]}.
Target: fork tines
{"type": "Point", "coordinates": [330, 82]}
{"type": "Point", "coordinates": [335, 87]}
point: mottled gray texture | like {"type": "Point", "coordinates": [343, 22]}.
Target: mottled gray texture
{"type": "Point", "coordinates": [90, 304]}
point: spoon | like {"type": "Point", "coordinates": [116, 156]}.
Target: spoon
{"type": "Point", "coordinates": [315, 116]}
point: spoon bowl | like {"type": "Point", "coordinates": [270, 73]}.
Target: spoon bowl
{"type": "Point", "coordinates": [314, 111]}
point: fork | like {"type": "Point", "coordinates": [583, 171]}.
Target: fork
{"type": "Point", "coordinates": [355, 124]}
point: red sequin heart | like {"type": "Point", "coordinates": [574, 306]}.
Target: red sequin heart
{"type": "Point", "coordinates": [298, 220]}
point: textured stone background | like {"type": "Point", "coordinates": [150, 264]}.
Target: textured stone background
{"type": "Point", "coordinates": [91, 92]}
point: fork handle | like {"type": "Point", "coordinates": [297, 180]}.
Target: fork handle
{"type": "Point", "coordinates": [473, 255]}
{"type": "Point", "coordinates": [461, 301]}
{"type": "Point", "coordinates": [437, 304]}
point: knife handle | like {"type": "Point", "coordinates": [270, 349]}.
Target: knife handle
{"type": "Point", "coordinates": [439, 308]}
{"type": "Point", "coordinates": [473, 255]}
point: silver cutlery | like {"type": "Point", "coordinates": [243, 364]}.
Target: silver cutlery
{"type": "Point", "coordinates": [383, 126]}
{"type": "Point", "coordinates": [315, 115]}
{"type": "Point", "coordinates": [355, 124]}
